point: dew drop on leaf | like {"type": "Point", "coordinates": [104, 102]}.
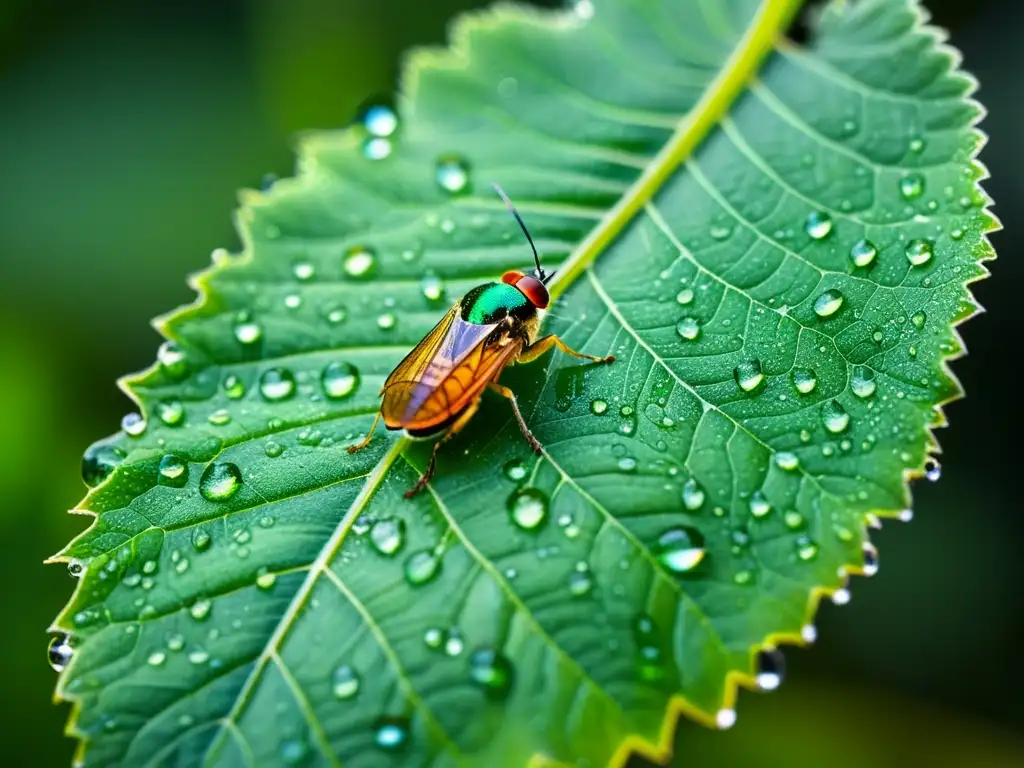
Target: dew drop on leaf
{"type": "Point", "coordinates": [173, 471]}
{"type": "Point", "coordinates": [688, 329]}
{"type": "Point", "coordinates": [771, 668]}
{"type": "Point", "coordinates": [60, 652]}
{"type": "Point", "coordinates": [806, 548]}
{"type": "Point", "coordinates": [685, 296]}
{"type": "Point", "coordinates": [528, 508]}
{"type": "Point", "coordinates": [99, 461]}
{"type": "Point", "coordinates": [265, 578]}
{"type": "Point", "coordinates": [912, 186]}
{"type": "Point", "coordinates": [247, 330]}
{"type": "Point", "coordinates": [432, 289]}
{"type": "Point", "coordinates": [863, 253]}
{"type": "Point", "coordinates": [233, 387]}
{"type": "Point", "coordinates": [339, 380]}
{"type": "Point", "coordinates": [828, 303]}
{"type": "Point", "coordinates": [391, 734]}
{"type": "Point", "coordinates": [172, 360]}
{"type": "Point", "coordinates": [918, 252]}
{"type": "Point", "coordinates": [492, 671]}
{"type": "Point", "coordinates": [386, 321]}
{"type": "Point", "coordinates": [693, 495]}
{"type": "Point", "coordinates": [220, 481]}
{"type": "Point", "coordinates": [862, 381]}
{"type": "Point", "coordinates": [918, 319]}
{"type": "Point", "coordinates": [376, 148]}
{"type": "Point", "coordinates": [786, 460]}
{"type": "Point", "coordinates": [452, 174]}
{"type": "Point", "coordinates": [818, 225]}
{"type": "Point", "coordinates": [598, 407]}
{"type": "Point", "coordinates": [725, 718]}
{"type": "Point", "coordinates": [200, 609]}
{"type": "Point", "coordinates": [170, 412]}
{"type": "Point", "coordinates": [201, 540]}
{"type": "Point", "coordinates": [277, 384]}
{"type": "Point", "coordinates": [76, 568]}
{"type": "Point", "coordinates": [579, 583]}
{"type": "Point", "coordinates": [303, 270]}
{"type": "Point", "coordinates": [805, 380]}
{"type": "Point", "coordinates": [759, 506]}
{"type": "Point", "coordinates": [360, 263]}
{"type": "Point", "coordinates": [680, 549]}
{"type": "Point", "coordinates": [345, 682]}
{"type": "Point", "coordinates": [514, 470]}
{"type": "Point", "coordinates": [388, 535]}
{"type": "Point", "coordinates": [870, 567]}
{"type": "Point", "coordinates": [293, 751]}
{"type": "Point", "coordinates": [748, 375]}
{"type": "Point", "coordinates": [133, 424]}
{"type": "Point", "coordinates": [198, 656]}
{"type": "Point", "coordinates": [421, 567]}
{"type": "Point", "coordinates": [834, 416]}
{"type": "Point", "coordinates": [219, 417]}
{"type": "Point", "coordinates": [932, 469]}
{"type": "Point", "coordinates": [156, 658]}
{"type": "Point", "coordinates": [380, 120]}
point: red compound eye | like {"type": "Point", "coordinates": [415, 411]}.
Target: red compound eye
{"type": "Point", "coordinates": [511, 278]}
{"type": "Point", "coordinates": [534, 290]}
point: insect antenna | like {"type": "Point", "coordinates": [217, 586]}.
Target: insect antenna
{"type": "Point", "coordinates": [512, 209]}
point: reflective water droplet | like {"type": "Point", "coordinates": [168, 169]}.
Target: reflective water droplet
{"type": "Point", "coordinates": [247, 330]}
{"type": "Point", "coordinates": [422, 566]}
{"type": "Point", "coordinates": [834, 417]}
{"type": "Point", "coordinates": [492, 671]}
{"type": "Point", "coordinates": [680, 549]}
{"type": "Point", "coordinates": [303, 270]}
{"type": "Point", "coordinates": [818, 225]}
{"type": "Point", "coordinates": [339, 380]}
{"type": "Point", "coordinates": [173, 471]}
{"type": "Point", "coordinates": [133, 424]}
{"type": "Point", "coordinates": [336, 315]}
{"type": "Point", "coordinates": [725, 718]}
{"type": "Point", "coordinates": [579, 583]}
{"type": "Point", "coordinates": [233, 387]}
{"type": "Point", "coordinates": [759, 506]}
{"type": "Point", "coordinates": [841, 596]}
{"type": "Point", "coordinates": [98, 461]}
{"type": "Point", "coordinates": [219, 417]}
{"type": "Point", "coordinates": [863, 253]}
{"type": "Point", "coordinates": [862, 381]}
{"type": "Point", "coordinates": [720, 233]}
{"type": "Point", "coordinates": [293, 301]}
{"type": "Point", "coordinates": [584, 9]}
{"type": "Point", "coordinates": [345, 682]}
{"type": "Point", "coordinates": [220, 481]}
{"type": "Point", "coordinates": [376, 148]}
{"type": "Point", "coordinates": [453, 644]}
{"type": "Point", "coordinates": [919, 252]}
{"type": "Point", "coordinates": [918, 319]}
{"type": "Point", "coordinates": [452, 174]}
{"type": "Point", "coordinates": [386, 321]}
{"type": "Point", "coordinates": [688, 329]}
{"type": "Point", "coordinates": [198, 656]}
{"type": "Point", "coordinates": [685, 296]}
{"type": "Point", "coordinates": [912, 186]}
{"type": "Point", "coordinates": [514, 470]}
{"type": "Point", "coordinates": [277, 384]}
{"type": "Point", "coordinates": [380, 120]}
{"type": "Point", "coordinates": [598, 407]}
{"type": "Point", "coordinates": [391, 733]}
{"type": "Point", "coordinates": [627, 464]}
{"type": "Point", "coordinates": [156, 658]}
{"type": "Point", "coordinates": [76, 568]}
{"type": "Point", "coordinates": [201, 540]}
{"type": "Point", "coordinates": [388, 535]}
{"type": "Point", "coordinates": [433, 637]}
{"type": "Point", "coordinates": [828, 303]}
{"type": "Point", "coordinates": [360, 263]}
{"type": "Point", "coordinates": [786, 460]}
{"type": "Point", "coordinates": [771, 668]}
{"type": "Point", "coordinates": [432, 289]}
{"type": "Point", "coordinates": [870, 567]}
{"type": "Point", "coordinates": [916, 145]}
{"type": "Point", "coordinates": [932, 469]}
{"type": "Point", "coordinates": [172, 360]}
{"type": "Point", "coordinates": [805, 380]}
{"type": "Point", "coordinates": [293, 751]}
{"type": "Point", "coordinates": [200, 609]}
{"type": "Point", "coordinates": [171, 412]}
{"type": "Point", "coordinates": [175, 642]}
{"type": "Point", "coordinates": [60, 652]}
{"type": "Point", "coordinates": [693, 495]}
{"type": "Point", "coordinates": [528, 508]}
{"type": "Point", "coordinates": [265, 578]}
{"type": "Point", "coordinates": [806, 549]}
{"type": "Point", "coordinates": [809, 633]}
{"type": "Point", "coordinates": [748, 375]}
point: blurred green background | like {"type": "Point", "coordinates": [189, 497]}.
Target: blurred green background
{"type": "Point", "coordinates": [126, 127]}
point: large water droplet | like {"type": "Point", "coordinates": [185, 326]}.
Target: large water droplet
{"type": "Point", "coordinates": [171, 412]}
{"type": "Point", "coordinates": [919, 252]}
{"type": "Point", "coordinates": [388, 535]}
{"type": "Point", "coordinates": [339, 380]}
{"type": "Point", "coordinates": [688, 329]}
{"type": "Point", "coordinates": [98, 461]}
{"type": "Point", "coordinates": [806, 548]}
{"type": "Point", "coordinates": [685, 296]}
{"type": "Point", "coordinates": [277, 384]}
{"type": "Point", "coordinates": [932, 469]}
{"type": "Point", "coordinates": [693, 495]}
{"type": "Point", "coordinates": [360, 263]}
{"type": "Point", "coordinates": [771, 668]}
{"type": "Point", "coordinates": [380, 120]}
{"type": "Point", "coordinates": [912, 186]}
{"type": "Point", "coordinates": [786, 460]}
{"type": "Point", "coordinates": [173, 471]}
{"type": "Point", "coordinates": [862, 381]}
{"type": "Point", "coordinates": [345, 682]}
{"type": "Point", "coordinates": [422, 566]}
{"type": "Point", "coordinates": [759, 505]}
{"type": "Point", "coordinates": [172, 360]}
{"type": "Point", "coordinates": [247, 330]}
{"type": "Point", "coordinates": [60, 652]}
{"type": "Point", "coordinates": [133, 424]}
{"type": "Point", "coordinates": [528, 508]}
{"type": "Point", "coordinates": [805, 380]}
{"type": "Point", "coordinates": [432, 289]}
{"type": "Point", "coordinates": [233, 387]}
{"type": "Point", "coordinates": [748, 375]}
{"type": "Point", "coordinates": [514, 470]}
{"type": "Point", "coordinates": [834, 416]}
{"type": "Point", "coordinates": [828, 303]}
{"type": "Point", "coordinates": [220, 481]}
{"type": "Point", "coordinates": [598, 407]}
{"type": "Point", "coordinates": [452, 174]}
{"type": "Point", "coordinates": [391, 733]}
{"type": "Point", "coordinates": [863, 253]}
{"type": "Point", "coordinates": [818, 225]}
{"type": "Point", "coordinates": [492, 671]}
{"type": "Point", "coordinates": [680, 549]}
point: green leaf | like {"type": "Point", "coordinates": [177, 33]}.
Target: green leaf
{"type": "Point", "coordinates": [774, 239]}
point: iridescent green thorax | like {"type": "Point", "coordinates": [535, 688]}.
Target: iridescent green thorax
{"type": "Point", "coordinates": [490, 302]}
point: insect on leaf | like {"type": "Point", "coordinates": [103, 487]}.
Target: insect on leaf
{"type": "Point", "coordinates": [773, 238]}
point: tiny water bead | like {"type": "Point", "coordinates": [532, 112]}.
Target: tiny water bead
{"type": "Point", "coordinates": [818, 225]}
{"type": "Point", "coordinates": [749, 375]}
{"type": "Point", "coordinates": [918, 319]}
{"type": "Point", "coordinates": [303, 270]}
{"type": "Point", "coordinates": [932, 469]}
{"type": "Point", "coordinates": [759, 505]}
{"type": "Point", "coordinates": [360, 263]}
{"type": "Point", "coordinates": [870, 566]}
{"type": "Point", "coordinates": [863, 253]}
{"type": "Point", "coordinates": [219, 417]}
{"type": "Point", "coordinates": [514, 470]}
{"type": "Point", "coordinates": [834, 417]}
{"type": "Point", "coordinates": [805, 380]}
{"type": "Point", "coordinates": [157, 658]}
{"type": "Point", "coordinates": [685, 296]}
{"type": "Point", "coordinates": [339, 380]}
{"type": "Point", "coordinates": [806, 548]}
{"type": "Point", "coordinates": [380, 120]}
{"type": "Point", "coordinates": [725, 718]}
{"type": "Point", "coordinates": [627, 464]}
{"type": "Point", "coordinates": [265, 578]}
{"type": "Point", "coordinates": [720, 233]}
{"type": "Point", "coordinates": [388, 535]}
{"type": "Point", "coordinates": [60, 652]}
{"type": "Point", "coordinates": [919, 252]}
{"type": "Point", "coordinates": [862, 381]}
{"type": "Point", "coordinates": [688, 329]}
{"type": "Point", "coordinates": [391, 733]}
{"type": "Point", "coordinates": [492, 671]}
{"type": "Point", "coordinates": [76, 568]}
{"type": "Point", "coordinates": [345, 682]}
{"type": "Point", "coordinates": [579, 583]}
{"type": "Point", "coordinates": [386, 321]}
{"type": "Point", "coordinates": [432, 289]}
{"type": "Point", "coordinates": [680, 549]}
{"type": "Point", "coordinates": [234, 388]}
{"type": "Point", "coordinates": [172, 360]}
{"type": "Point", "coordinates": [693, 495]}
{"type": "Point", "coordinates": [452, 174]}
{"type": "Point", "coordinates": [277, 384]}
{"type": "Point", "coordinates": [172, 472]}
{"type": "Point", "coordinates": [293, 751]}
{"type": "Point", "coordinates": [171, 412]}
{"type": "Point", "coordinates": [247, 331]}
{"type": "Point", "coordinates": [786, 460]}
{"type": "Point", "coordinates": [220, 481]}
{"type": "Point", "coordinates": [912, 186]}
{"type": "Point", "coordinates": [598, 407]}
{"type": "Point", "coordinates": [422, 566]}
{"type": "Point", "coordinates": [528, 508]}
{"type": "Point", "coordinates": [133, 424]}
{"type": "Point", "coordinates": [376, 148]}
{"type": "Point", "coordinates": [828, 303]}
{"type": "Point", "coordinates": [771, 668]}
{"type": "Point", "coordinates": [200, 609]}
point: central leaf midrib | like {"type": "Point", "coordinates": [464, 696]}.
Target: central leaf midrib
{"type": "Point", "coordinates": [758, 40]}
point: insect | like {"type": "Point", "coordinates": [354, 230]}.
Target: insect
{"type": "Point", "coordinates": [437, 388]}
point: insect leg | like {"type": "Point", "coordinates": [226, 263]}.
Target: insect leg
{"type": "Point", "coordinates": [541, 346]}
{"type": "Point", "coordinates": [506, 392]}
{"type": "Point", "coordinates": [453, 430]}
{"type": "Point", "coordinates": [369, 436]}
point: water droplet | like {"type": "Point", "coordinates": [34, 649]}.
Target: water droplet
{"type": "Point", "coordinates": [841, 596]}
{"type": "Point", "coordinates": [870, 567]}
{"type": "Point", "coordinates": [175, 642]}
{"type": "Point", "coordinates": [452, 174]}
{"type": "Point", "coordinates": [200, 609]}
{"type": "Point", "coordinates": [806, 549]}
{"type": "Point", "coordinates": [912, 186]}
{"type": "Point", "coordinates": [233, 387]}
{"type": "Point", "coordinates": [492, 671]}
{"type": "Point", "coordinates": [720, 233]}
{"type": "Point", "coordinates": [198, 656]}
{"type": "Point", "coordinates": [219, 418]}
{"type": "Point", "coordinates": [685, 296]}
{"type": "Point", "coordinates": [293, 751]}
{"type": "Point", "coordinates": [688, 329]}
{"type": "Point", "coordinates": [828, 303]}
{"type": "Point", "coordinates": [771, 668]}
{"type": "Point", "coordinates": [453, 644]}
{"type": "Point", "coordinates": [834, 416]}
{"type": "Point", "coordinates": [693, 495]}
{"type": "Point", "coordinates": [293, 301]}
{"type": "Point", "coordinates": [759, 506]}
{"type": "Point", "coordinates": [303, 270]}
{"type": "Point", "coordinates": [422, 566]}
{"type": "Point", "coordinates": [391, 734]}
{"type": "Point", "coordinates": [220, 481]}
{"type": "Point", "coordinates": [916, 145]}
{"type": "Point", "coordinates": [627, 464]}
{"type": "Point", "coordinates": [172, 360]}
{"type": "Point", "coordinates": [386, 321]}
{"type": "Point", "coordinates": [863, 253]}
{"type": "Point", "coordinates": [173, 471]}
{"type": "Point", "coordinates": [171, 412]}
{"type": "Point", "coordinates": [60, 652]}
{"type": "Point", "coordinates": [725, 719]}
{"type": "Point", "coordinates": [247, 330]}
{"type": "Point", "coordinates": [76, 568]}
{"type": "Point", "coordinates": [265, 578]}
{"type": "Point", "coordinates": [598, 407]}
{"type": "Point", "coordinates": [277, 384]}
{"type": "Point", "coordinates": [380, 120]}
{"type": "Point", "coordinates": [345, 682]}
{"type": "Point", "coordinates": [918, 319]}
{"type": "Point", "coordinates": [786, 460]}
{"type": "Point", "coordinates": [339, 380]}
{"type": "Point", "coordinates": [388, 535]}
{"type": "Point", "coordinates": [514, 470]}
{"type": "Point", "coordinates": [932, 469]}
{"type": "Point", "coordinates": [528, 508]}
{"type": "Point", "coordinates": [432, 289]}
{"type": "Point", "coordinates": [156, 658]}
{"type": "Point", "coordinates": [360, 263]}
{"type": "Point", "coordinates": [376, 148]}
{"type": "Point", "coordinates": [433, 637]}
{"type": "Point", "coordinates": [336, 315]}
{"type": "Point", "coordinates": [748, 375]}
{"type": "Point", "coordinates": [579, 583]}
{"type": "Point", "coordinates": [98, 461]}
{"type": "Point", "coordinates": [805, 380]}
{"type": "Point", "coordinates": [818, 225]}
{"type": "Point", "coordinates": [918, 252]}
{"type": "Point", "coordinates": [133, 424]}
{"type": "Point", "coordinates": [680, 549]}
{"type": "Point", "coordinates": [584, 9]}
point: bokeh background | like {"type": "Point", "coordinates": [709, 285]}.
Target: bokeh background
{"type": "Point", "coordinates": [126, 127]}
